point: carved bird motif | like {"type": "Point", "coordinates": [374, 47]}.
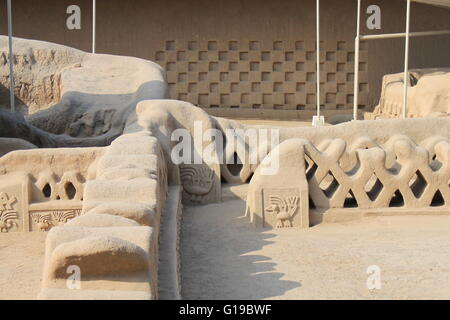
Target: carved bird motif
{"type": "Point", "coordinates": [283, 208]}
{"type": "Point", "coordinates": [43, 221]}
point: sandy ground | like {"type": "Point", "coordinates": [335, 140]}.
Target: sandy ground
{"type": "Point", "coordinates": [22, 257]}
{"type": "Point", "coordinates": [225, 257]}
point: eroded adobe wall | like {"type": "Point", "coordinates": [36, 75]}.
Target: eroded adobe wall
{"type": "Point", "coordinates": [250, 58]}
{"type": "Point", "coordinates": [115, 240]}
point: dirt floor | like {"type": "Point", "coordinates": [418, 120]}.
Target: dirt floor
{"type": "Point", "coordinates": [22, 258]}
{"type": "Point", "coordinates": [225, 257]}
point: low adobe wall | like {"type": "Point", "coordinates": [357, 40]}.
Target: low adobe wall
{"type": "Point", "coordinates": [396, 178]}
{"type": "Point", "coordinates": [125, 241]}
{"type": "Point", "coordinates": [115, 241]}
{"type": "Point", "coordinates": [107, 223]}
{"type": "Point", "coordinates": [43, 188]}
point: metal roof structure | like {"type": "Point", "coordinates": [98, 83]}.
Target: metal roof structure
{"type": "Point", "coordinates": [439, 3]}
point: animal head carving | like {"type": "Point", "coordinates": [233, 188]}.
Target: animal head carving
{"type": "Point", "coordinates": [197, 180]}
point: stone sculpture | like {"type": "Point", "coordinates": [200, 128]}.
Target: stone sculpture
{"type": "Point", "coordinates": [73, 98]}
{"type": "Point", "coordinates": [428, 94]}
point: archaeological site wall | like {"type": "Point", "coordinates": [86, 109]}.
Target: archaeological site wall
{"type": "Point", "coordinates": [115, 211]}
{"type": "Point", "coordinates": [97, 170]}
{"type": "Point", "coordinates": [247, 58]}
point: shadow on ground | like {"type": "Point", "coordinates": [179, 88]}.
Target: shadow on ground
{"type": "Point", "coordinates": [220, 259]}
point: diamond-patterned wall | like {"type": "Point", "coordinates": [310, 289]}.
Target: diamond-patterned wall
{"type": "Point", "coordinates": [262, 74]}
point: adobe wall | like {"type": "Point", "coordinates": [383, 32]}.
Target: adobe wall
{"type": "Point", "coordinates": [250, 58]}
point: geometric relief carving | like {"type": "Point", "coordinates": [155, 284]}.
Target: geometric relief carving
{"type": "Point", "coordinates": [262, 74]}
{"type": "Point", "coordinates": [411, 182]}
{"type": "Point", "coordinates": [197, 181]}
{"type": "Point", "coordinates": [280, 207]}
{"type": "Point", "coordinates": [43, 220]}
{"type": "Point", "coordinates": [8, 215]}
{"type": "Point", "coordinates": [69, 187]}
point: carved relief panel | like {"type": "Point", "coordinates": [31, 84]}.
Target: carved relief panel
{"type": "Point", "coordinates": [201, 183]}
{"type": "Point", "coordinates": [44, 220]}
{"type": "Point", "coordinates": [281, 208]}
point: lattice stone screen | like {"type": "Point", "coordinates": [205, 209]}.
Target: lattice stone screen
{"type": "Point", "coordinates": [262, 74]}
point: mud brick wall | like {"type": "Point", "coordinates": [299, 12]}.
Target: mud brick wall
{"type": "Point", "coordinates": [250, 58]}
{"type": "Point", "coordinates": [261, 74]}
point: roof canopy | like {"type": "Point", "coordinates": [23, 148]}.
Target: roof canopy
{"type": "Point", "coordinates": [442, 3]}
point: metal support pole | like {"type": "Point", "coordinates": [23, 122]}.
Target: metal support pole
{"type": "Point", "coordinates": [356, 67]}
{"type": "Point", "coordinates": [318, 56]}
{"type": "Point", "coordinates": [93, 24]}
{"type": "Point", "coordinates": [11, 65]}
{"type": "Point", "coordinates": [406, 76]}
{"type": "Point", "coordinates": [403, 35]}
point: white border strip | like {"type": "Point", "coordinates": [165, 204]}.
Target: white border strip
{"type": "Point", "coordinates": [406, 76]}
{"type": "Point", "coordinates": [11, 65]}
{"type": "Point", "coordinates": [318, 57]}
{"type": "Point", "coordinates": [94, 9]}
{"type": "Point", "coordinates": [402, 35]}
{"type": "Point", "coordinates": [356, 66]}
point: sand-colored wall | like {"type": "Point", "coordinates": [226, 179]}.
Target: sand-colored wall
{"type": "Point", "coordinates": [251, 58]}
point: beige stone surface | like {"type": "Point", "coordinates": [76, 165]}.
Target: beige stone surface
{"type": "Point", "coordinates": [101, 220]}
{"type": "Point", "coordinates": [66, 294]}
{"type": "Point", "coordinates": [112, 242]}
{"type": "Point", "coordinates": [98, 255]}
{"type": "Point", "coordinates": [142, 213]}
